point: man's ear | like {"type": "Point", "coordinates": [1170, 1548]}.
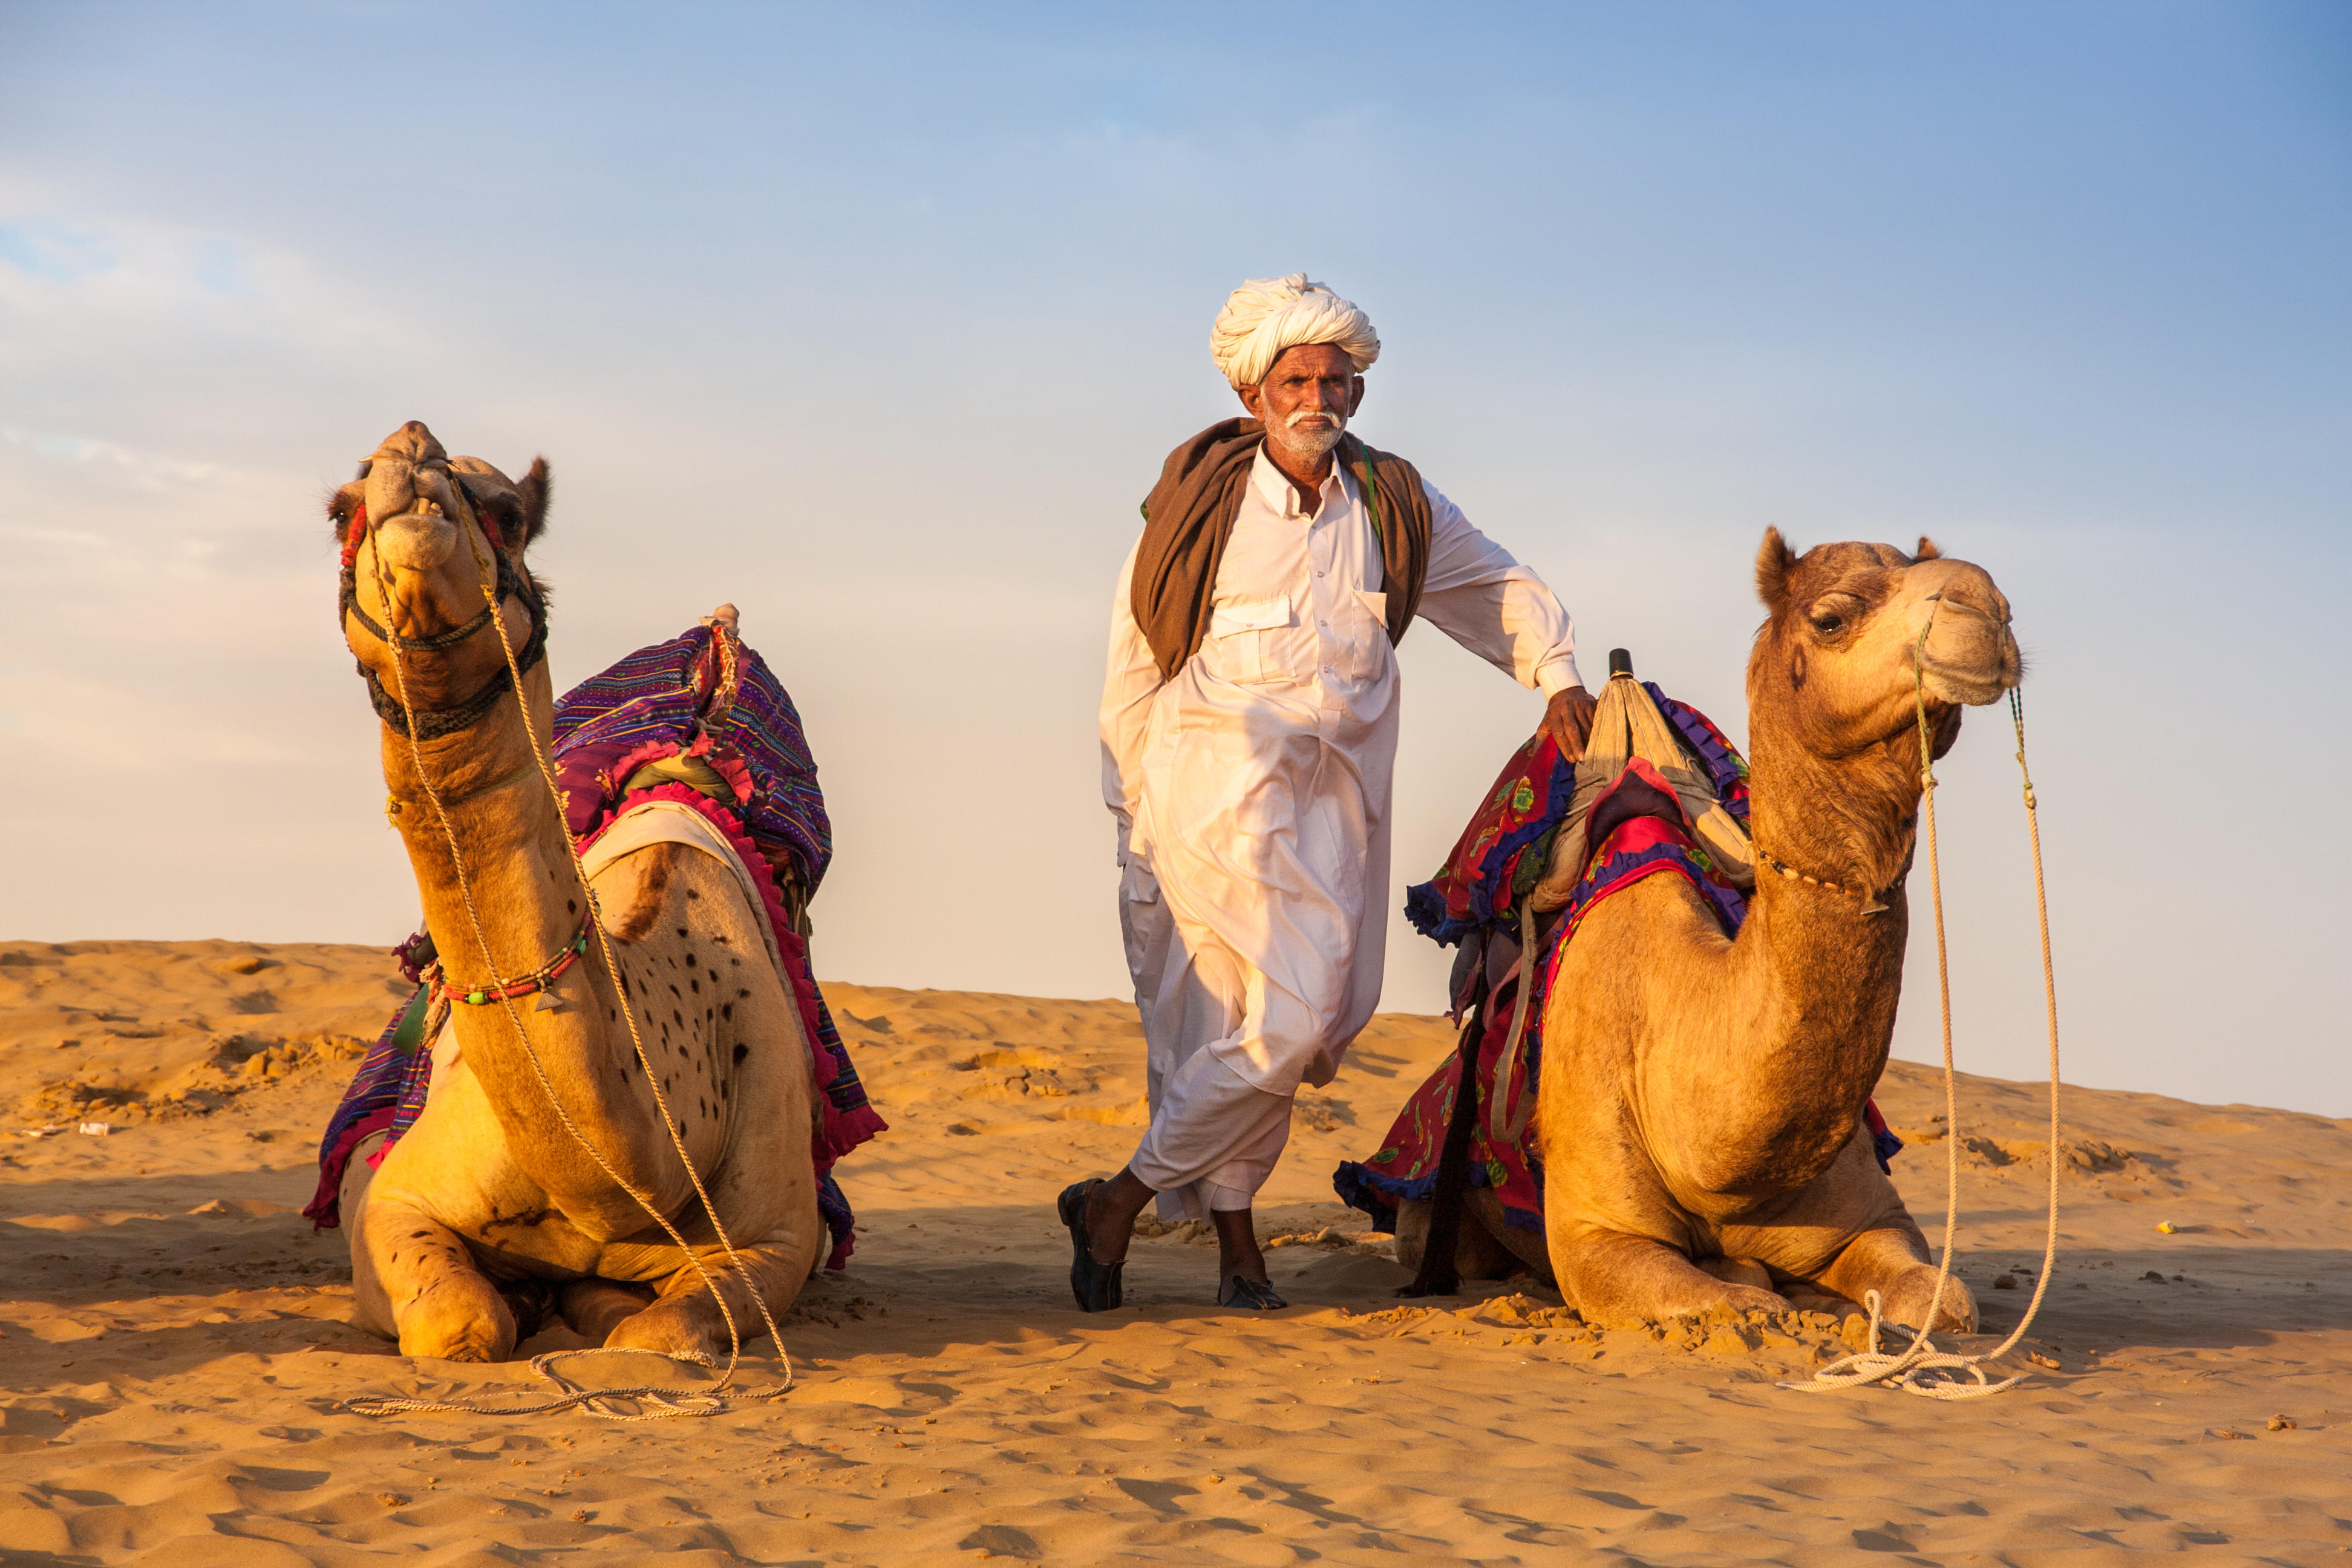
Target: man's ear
{"type": "Point", "coordinates": [1254, 399]}
{"type": "Point", "coordinates": [1354, 395]}
{"type": "Point", "coordinates": [1774, 562]}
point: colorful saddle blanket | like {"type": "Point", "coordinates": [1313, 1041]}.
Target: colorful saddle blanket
{"type": "Point", "coordinates": [1637, 829]}
{"type": "Point", "coordinates": [701, 720]}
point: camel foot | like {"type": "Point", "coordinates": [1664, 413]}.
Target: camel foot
{"type": "Point", "coordinates": [595, 1308]}
{"type": "Point", "coordinates": [1906, 1301]}
{"type": "Point", "coordinates": [682, 1325]}
{"type": "Point", "coordinates": [1893, 1262]}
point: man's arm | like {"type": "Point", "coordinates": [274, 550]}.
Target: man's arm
{"type": "Point", "coordinates": [1480, 597]}
{"type": "Point", "coordinates": [1130, 676]}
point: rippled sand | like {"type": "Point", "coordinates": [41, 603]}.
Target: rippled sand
{"type": "Point", "coordinates": [173, 1345]}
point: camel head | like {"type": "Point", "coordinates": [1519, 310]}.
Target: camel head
{"type": "Point", "coordinates": [423, 535]}
{"type": "Point", "coordinates": [1856, 630]}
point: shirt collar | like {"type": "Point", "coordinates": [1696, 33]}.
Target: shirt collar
{"type": "Point", "coordinates": [1275, 489]}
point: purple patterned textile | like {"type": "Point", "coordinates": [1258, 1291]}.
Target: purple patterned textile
{"type": "Point", "coordinates": [700, 695]}
{"type": "Point", "coordinates": [657, 702]}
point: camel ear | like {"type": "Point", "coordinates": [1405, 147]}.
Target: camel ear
{"type": "Point", "coordinates": [1774, 562]}
{"type": "Point", "coordinates": [1928, 550]}
{"type": "Point", "coordinates": [534, 493]}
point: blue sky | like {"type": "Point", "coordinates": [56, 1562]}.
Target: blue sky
{"type": "Point", "coordinates": [879, 322]}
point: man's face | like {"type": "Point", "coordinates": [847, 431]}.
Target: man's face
{"type": "Point", "coordinates": [1306, 399]}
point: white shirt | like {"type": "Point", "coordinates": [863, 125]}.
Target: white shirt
{"type": "Point", "coordinates": [1253, 789]}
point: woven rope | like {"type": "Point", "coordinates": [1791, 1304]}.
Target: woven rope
{"type": "Point", "coordinates": [1919, 1367]}
{"type": "Point", "coordinates": [664, 1404]}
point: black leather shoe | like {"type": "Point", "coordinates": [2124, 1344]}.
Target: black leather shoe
{"type": "Point", "coordinates": [1254, 1295]}
{"type": "Point", "coordinates": [1095, 1285]}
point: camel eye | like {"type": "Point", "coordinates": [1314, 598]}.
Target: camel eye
{"type": "Point", "coordinates": [1829, 624]}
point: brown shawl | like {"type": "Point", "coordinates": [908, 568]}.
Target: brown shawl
{"type": "Point", "coordinates": [1190, 514]}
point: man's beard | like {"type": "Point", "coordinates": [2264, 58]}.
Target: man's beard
{"type": "Point", "coordinates": [1309, 441]}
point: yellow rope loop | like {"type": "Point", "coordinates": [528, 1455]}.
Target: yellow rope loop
{"type": "Point", "coordinates": [1909, 1369]}
{"type": "Point", "coordinates": [664, 1404]}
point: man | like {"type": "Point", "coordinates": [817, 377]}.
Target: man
{"type": "Point", "coordinates": [1249, 733]}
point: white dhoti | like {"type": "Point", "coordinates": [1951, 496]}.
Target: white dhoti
{"type": "Point", "coordinates": [1254, 785]}
{"type": "Point", "coordinates": [1210, 1019]}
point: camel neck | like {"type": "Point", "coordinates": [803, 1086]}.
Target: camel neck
{"type": "Point", "coordinates": [1850, 820]}
{"type": "Point", "coordinates": [493, 852]}
{"type": "Point", "coordinates": [1830, 960]}
{"type": "Point", "coordinates": [521, 897]}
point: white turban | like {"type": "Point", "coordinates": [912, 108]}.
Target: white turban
{"type": "Point", "coordinates": [1267, 315]}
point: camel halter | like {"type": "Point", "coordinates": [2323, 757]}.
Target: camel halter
{"type": "Point", "coordinates": [654, 1403]}
{"type": "Point", "coordinates": [432, 723]}
{"type": "Point", "coordinates": [1920, 1368]}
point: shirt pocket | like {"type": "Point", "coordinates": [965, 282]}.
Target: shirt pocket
{"type": "Point", "coordinates": [1237, 648]}
{"type": "Point", "coordinates": [1360, 630]}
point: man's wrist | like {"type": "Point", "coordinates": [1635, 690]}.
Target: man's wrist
{"type": "Point", "coordinates": [1557, 677]}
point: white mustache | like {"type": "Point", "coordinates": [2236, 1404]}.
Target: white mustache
{"type": "Point", "coordinates": [1339, 421]}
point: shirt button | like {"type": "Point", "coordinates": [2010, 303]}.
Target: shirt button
{"type": "Point", "coordinates": [1323, 624]}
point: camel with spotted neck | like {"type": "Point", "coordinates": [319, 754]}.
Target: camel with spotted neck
{"type": "Point", "coordinates": [511, 1192]}
{"type": "Point", "coordinates": [1700, 1109]}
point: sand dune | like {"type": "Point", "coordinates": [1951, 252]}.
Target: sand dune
{"type": "Point", "coordinates": [173, 1349]}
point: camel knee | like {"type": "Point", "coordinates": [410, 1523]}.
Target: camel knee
{"type": "Point", "coordinates": [458, 1317]}
{"type": "Point", "coordinates": [423, 1288]}
{"type": "Point", "coordinates": [687, 1318]}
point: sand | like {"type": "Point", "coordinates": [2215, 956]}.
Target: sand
{"type": "Point", "coordinates": [173, 1346]}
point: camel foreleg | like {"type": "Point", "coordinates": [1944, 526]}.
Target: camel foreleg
{"type": "Point", "coordinates": [1893, 1260]}
{"type": "Point", "coordinates": [1620, 1281]}
{"type": "Point", "coordinates": [685, 1318]}
{"type": "Point", "coordinates": [595, 1308]}
{"type": "Point", "coordinates": [414, 1279]}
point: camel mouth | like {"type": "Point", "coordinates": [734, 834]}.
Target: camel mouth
{"type": "Point", "coordinates": [414, 541]}
{"type": "Point", "coordinates": [1975, 681]}
{"type": "Point", "coordinates": [1969, 656]}
{"type": "Point", "coordinates": [1968, 688]}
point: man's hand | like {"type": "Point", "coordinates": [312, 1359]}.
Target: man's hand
{"type": "Point", "coordinates": [1569, 720]}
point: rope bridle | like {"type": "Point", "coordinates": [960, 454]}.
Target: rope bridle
{"type": "Point", "coordinates": [1905, 1367]}
{"type": "Point", "coordinates": [502, 584]}
{"type": "Point", "coordinates": [432, 723]}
